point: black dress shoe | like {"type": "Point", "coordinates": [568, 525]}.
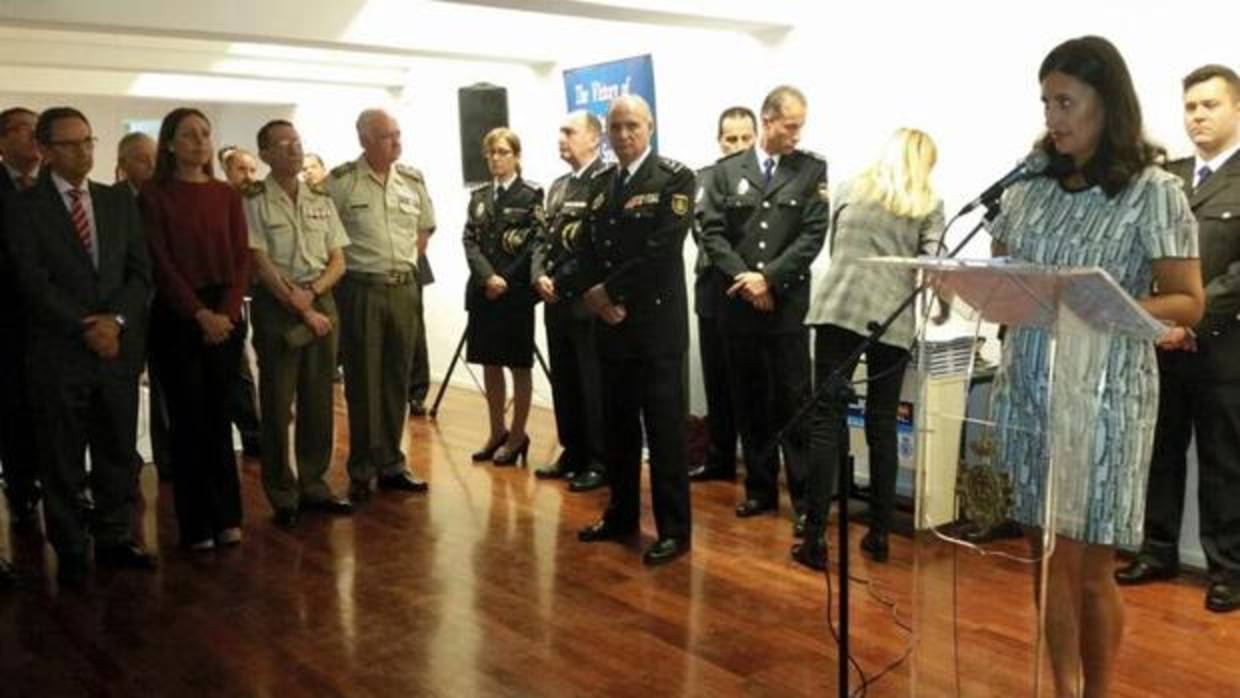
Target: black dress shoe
{"type": "Point", "coordinates": [553, 471]}
{"type": "Point", "coordinates": [417, 408]}
{"type": "Point", "coordinates": [665, 550]}
{"type": "Point", "coordinates": [875, 544]}
{"type": "Point", "coordinates": [811, 555]}
{"type": "Point", "coordinates": [251, 448]}
{"type": "Point", "coordinates": [332, 505]}
{"type": "Point", "coordinates": [285, 518]}
{"type": "Point", "coordinates": [402, 482]}
{"type": "Point", "coordinates": [124, 555]}
{"type": "Point", "coordinates": [704, 473]}
{"type": "Point", "coordinates": [1223, 597]}
{"type": "Point", "coordinates": [8, 575]}
{"type": "Point", "coordinates": [798, 526]}
{"type": "Point", "coordinates": [604, 530]}
{"type": "Point", "coordinates": [359, 492]}
{"type": "Point", "coordinates": [753, 507]}
{"type": "Point", "coordinates": [587, 480]}
{"type": "Point", "coordinates": [1142, 570]}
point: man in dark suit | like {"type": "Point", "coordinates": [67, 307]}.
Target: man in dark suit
{"type": "Point", "coordinates": [764, 219]}
{"type": "Point", "coordinates": [570, 326]}
{"type": "Point", "coordinates": [738, 127]}
{"type": "Point", "coordinates": [1199, 389]}
{"type": "Point", "coordinates": [17, 449]}
{"type": "Point", "coordinates": [632, 273]}
{"type": "Point", "coordinates": [83, 271]}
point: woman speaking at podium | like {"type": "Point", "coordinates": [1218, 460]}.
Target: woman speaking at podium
{"type": "Point", "coordinates": [1104, 203]}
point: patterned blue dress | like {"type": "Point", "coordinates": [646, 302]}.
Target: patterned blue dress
{"type": "Point", "coordinates": [1044, 224]}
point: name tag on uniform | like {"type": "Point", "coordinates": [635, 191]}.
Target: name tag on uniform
{"type": "Point", "coordinates": [641, 200]}
{"type": "Point", "coordinates": [522, 211]}
{"type": "Point", "coordinates": [575, 205]}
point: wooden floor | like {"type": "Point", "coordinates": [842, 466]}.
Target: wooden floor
{"type": "Point", "coordinates": [481, 589]}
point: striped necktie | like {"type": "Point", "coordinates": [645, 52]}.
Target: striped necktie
{"type": "Point", "coordinates": [768, 171]}
{"type": "Point", "coordinates": [1203, 173]}
{"type": "Point", "coordinates": [77, 211]}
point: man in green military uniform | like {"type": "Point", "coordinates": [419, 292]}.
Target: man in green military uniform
{"type": "Point", "coordinates": [297, 241]}
{"type": "Point", "coordinates": [388, 215]}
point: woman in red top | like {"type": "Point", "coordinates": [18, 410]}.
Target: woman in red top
{"type": "Point", "coordinates": [200, 248]}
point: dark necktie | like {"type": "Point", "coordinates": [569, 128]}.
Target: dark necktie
{"type": "Point", "coordinates": [622, 178]}
{"type": "Point", "coordinates": [24, 182]}
{"type": "Point", "coordinates": [1203, 173]}
{"type": "Point", "coordinates": [499, 192]}
{"type": "Point", "coordinates": [768, 171]}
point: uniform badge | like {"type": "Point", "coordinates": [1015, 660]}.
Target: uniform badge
{"type": "Point", "coordinates": [824, 192]}
{"type": "Point", "coordinates": [568, 236]}
{"type": "Point", "coordinates": [742, 187]}
{"type": "Point", "coordinates": [597, 203]}
{"type": "Point", "coordinates": [479, 209]}
{"type": "Point", "coordinates": [680, 204]}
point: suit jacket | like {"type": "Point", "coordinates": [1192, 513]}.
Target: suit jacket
{"type": "Point", "coordinates": [709, 285]}
{"type": "Point", "coordinates": [13, 319]}
{"type": "Point", "coordinates": [61, 286]}
{"type": "Point", "coordinates": [634, 246]}
{"type": "Point", "coordinates": [555, 253]}
{"type": "Point", "coordinates": [1216, 205]}
{"type": "Point", "coordinates": [500, 236]}
{"type": "Point", "coordinates": [777, 231]}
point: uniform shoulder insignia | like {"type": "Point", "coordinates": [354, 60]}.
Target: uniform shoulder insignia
{"type": "Point", "coordinates": [319, 189]}
{"type": "Point", "coordinates": [481, 189]}
{"type": "Point", "coordinates": [253, 189]}
{"type": "Point", "coordinates": [705, 171]}
{"type": "Point", "coordinates": [530, 184]}
{"type": "Point", "coordinates": [410, 172]}
{"type": "Point", "coordinates": [343, 169]}
{"type": "Point", "coordinates": [729, 156]}
{"type": "Point", "coordinates": [671, 165]}
{"type": "Point", "coordinates": [603, 170]}
{"type": "Point", "coordinates": [814, 155]}
{"type": "Point", "coordinates": [562, 179]}
{"type": "Point", "coordinates": [1179, 161]}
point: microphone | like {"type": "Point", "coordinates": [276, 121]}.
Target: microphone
{"type": "Point", "coordinates": [1034, 164]}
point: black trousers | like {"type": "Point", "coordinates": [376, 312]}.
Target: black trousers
{"type": "Point", "coordinates": [762, 366]}
{"type": "Point", "coordinates": [649, 393]}
{"type": "Point", "coordinates": [198, 379]}
{"type": "Point", "coordinates": [80, 409]}
{"type": "Point", "coordinates": [720, 415]}
{"type": "Point", "coordinates": [575, 389]}
{"type": "Point", "coordinates": [829, 425]}
{"type": "Point", "coordinates": [1189, 400]}
{"type": "Point", "coordinates": [18, 451]}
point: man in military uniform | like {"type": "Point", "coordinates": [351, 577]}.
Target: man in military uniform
{"type": "Point", "coordinates": [18, 172]}
{"type": "Point", "coordinates": [764, 219]}
{"type": "Point", "coordinates": [738, 127]}
{"type": "Point", "coordinates": [570, 326]}
{"type": "Point", "coordinates": [632, 276]}
{"type": "Point", "coordinates": [298, 245]}
{"type": "Point", "coordinates": [1200, 376]}
{"type": "Point", "coordinates": [388, 216]}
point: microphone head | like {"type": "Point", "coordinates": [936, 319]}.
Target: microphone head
{"type": "Point", "coordinates": [1036, 161]}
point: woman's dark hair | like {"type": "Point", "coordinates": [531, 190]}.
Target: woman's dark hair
{"type": "Point", "coordinates": [1123, 151]}
{"type": "Point", "coordinates": [165, 159]}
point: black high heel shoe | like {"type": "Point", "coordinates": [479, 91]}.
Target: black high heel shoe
{"type": "Point", "coordinates": [488, 451]}
{"type": "Point", "coordinates": [509, 457]}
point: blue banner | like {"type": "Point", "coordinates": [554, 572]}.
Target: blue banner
{"type": "Point", "coordinates": [593, 87]}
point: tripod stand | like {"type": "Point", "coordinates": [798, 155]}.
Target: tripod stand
{"type": "Point", "coordinates": [456, 356]}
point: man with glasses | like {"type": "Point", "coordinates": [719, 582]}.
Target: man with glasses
{"type": "Point", "coordinates": [81, 264]}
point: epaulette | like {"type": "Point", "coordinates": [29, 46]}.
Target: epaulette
{"type": "Point", "coordinates": [410, 172]}
{"type": "Point", "coordinates": [319, 189]}
{"type": "Point", "coordinates": [343, 169]}
{"type": "Point", "coordinates": [729, 156]}
{"type": "Point", "coordinates": [253, 189]}
{"type": "Point", "coordinates": [561, 179]}
{"type": "Point", "coordinates": [814, 155]}
{"type": "Point", "coordinates": [603, 170]}
{"type": "Point", "coordinates": [1180, 161]}
{"type": "Point", "coordinates": [671, 165]}
{"type": "Point", "coordinates": [530, 184]}
{"type": "Point", "coordinates": [705, 171]}
{"type": "Point", "coordinates": [481, 189]}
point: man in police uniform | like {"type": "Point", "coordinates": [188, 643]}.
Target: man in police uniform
{"type": "Point", "coordinates": [764, 219]}
{"type": "Point", "coordinates": [570, 326]}
{"type": "Point", "coordinates": [18, 172]}
{"type": "Point", "coordinates": [388, 216]}
{"type": "Point", "coordinates": [1200, 376]}
{"type": "Point", "coordinates": [738, 127]}
{"type": "Point", "coordinates": [298, 245]}
{"type": "Point", "coordinates": [633, 279]}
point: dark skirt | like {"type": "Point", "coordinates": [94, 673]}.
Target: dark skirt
{"type": "Point", "coordinates": [501, 331]}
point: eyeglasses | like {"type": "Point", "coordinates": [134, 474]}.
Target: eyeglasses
{"type": "Point", "coordinates": [84, 144]}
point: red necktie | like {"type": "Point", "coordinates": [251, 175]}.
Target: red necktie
{"type": "Point", "coordinates": [80, 222]}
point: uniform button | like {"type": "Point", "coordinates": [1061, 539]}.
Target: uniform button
{"type": "Point", "coordinates": [607, 243]}
{"type": "Point", "coordinates": [762, 244]}
{"type": "Point", "coordinates": [762, 225]}
{"type": "Point", "coordinates": [658, 301]}
{"type": "Point", "coordinates": [766, 204]}
{"type": "Point", "coordinates": [611, 221]}
{"type": "Point", "coordinates": [607, 265]}
{"type": "Point", "coordinates": [761, 265]}
{"type": "Point", "coordinates": [793, 202]}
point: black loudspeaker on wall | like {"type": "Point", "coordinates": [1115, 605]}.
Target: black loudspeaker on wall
{"type": "Point", "coordinates": [482, 107]}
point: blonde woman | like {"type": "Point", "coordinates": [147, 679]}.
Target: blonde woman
{"type": "Point", "coordinates": [890, 209]}
{"type": "Point", "coordinates": [504, 218]}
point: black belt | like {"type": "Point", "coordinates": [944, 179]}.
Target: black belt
{"type": "Point", "coordinates": [391, 278]}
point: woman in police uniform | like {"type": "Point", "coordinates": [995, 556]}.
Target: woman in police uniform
{"type": "Point", "coordinates": [504, 218]}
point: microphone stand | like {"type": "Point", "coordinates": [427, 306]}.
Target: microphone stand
{"type": "Point", "coordinates": [839, 388]}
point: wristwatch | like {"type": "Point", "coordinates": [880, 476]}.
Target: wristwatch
{"type": "Point", "coordinates": [120, 320]}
